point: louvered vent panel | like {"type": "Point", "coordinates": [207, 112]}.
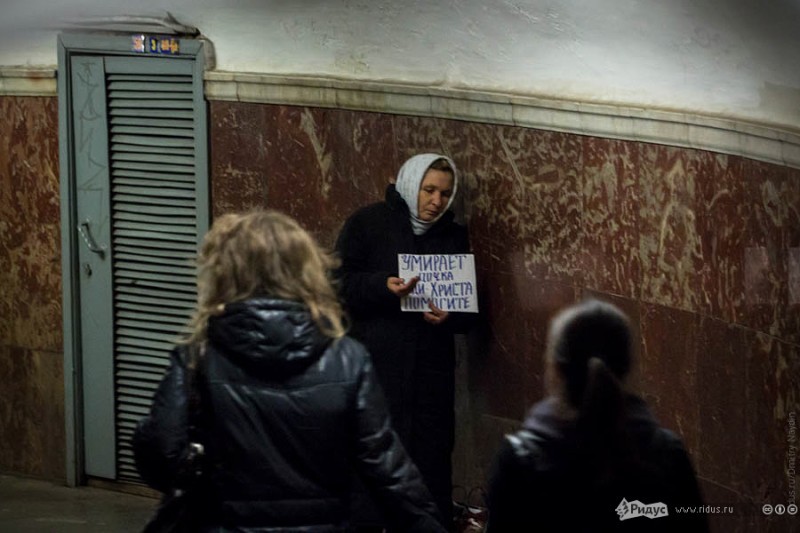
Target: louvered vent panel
{"type": "Point", "coordinates": [154, 227]}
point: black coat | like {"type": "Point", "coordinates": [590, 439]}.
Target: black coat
{"type": "Point", "coordinates": [287, 414]}
{"type": "Point", "coordinates": [414, 360]}
{"type": "Point", "coordinates": [538, 483]}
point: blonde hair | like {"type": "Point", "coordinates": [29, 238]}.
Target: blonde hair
{"type": "Point", "coordinates": [264, 253]}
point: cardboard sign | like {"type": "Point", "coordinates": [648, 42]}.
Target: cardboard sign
{"type": "Point", "coordinates": [447, 280]}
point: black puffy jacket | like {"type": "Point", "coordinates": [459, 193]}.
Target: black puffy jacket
{"type": "Point", "coordinates": [538, 482]}
{"type": "Point", "coordinates": [287, 414]}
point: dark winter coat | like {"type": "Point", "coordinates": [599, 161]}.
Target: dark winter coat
{"type": "Point", "coordinates": [538, 483]}
{"type": "Point", "coordinates": [287, 415]}
{"type": "Point", "coordinates": [414, 360]}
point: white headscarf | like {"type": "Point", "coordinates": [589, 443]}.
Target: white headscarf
{"type": "Point", "coordinates": [409, 180]}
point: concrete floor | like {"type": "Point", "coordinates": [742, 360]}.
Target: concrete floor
{"type": "Point", "coordinates": [28, 505]}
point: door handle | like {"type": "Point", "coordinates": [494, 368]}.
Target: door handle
{"type": "Point", "coordinates": [86, 233]}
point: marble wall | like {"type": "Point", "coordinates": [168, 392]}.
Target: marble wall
{"type": "Point", "coordinates": [31, 353]}
{"type": "Point", "coordinates": [701, 250]}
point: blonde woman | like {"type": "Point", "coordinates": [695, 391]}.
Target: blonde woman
{"type": "Point", "coordinates": [290, 404]}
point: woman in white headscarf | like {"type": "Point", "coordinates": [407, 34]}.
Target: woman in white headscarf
{"type": "Point", "coordinates": [413, 353]}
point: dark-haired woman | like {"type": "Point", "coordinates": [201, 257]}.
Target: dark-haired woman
{"type": "Point", "coordinates": [591, 455]}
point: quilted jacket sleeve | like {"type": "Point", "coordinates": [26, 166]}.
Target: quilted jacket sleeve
{"type": "Point", "coordinates": [385, 466]}
{"type": "Point", "coordinates": [162, 436]}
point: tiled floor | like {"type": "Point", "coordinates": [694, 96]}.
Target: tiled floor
{"type": "Point", "coordinates": [28, 505]}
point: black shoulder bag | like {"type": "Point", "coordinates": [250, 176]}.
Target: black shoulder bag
{"type": "Point", "coordinates": [183, 508]}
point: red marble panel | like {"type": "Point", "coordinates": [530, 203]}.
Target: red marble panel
{"type": "Point", "coordinates": [494, 204]}
{"type": "Point", "coordinates": [546, 166]}
{"type": "Point", "coordinates": [241, 134]}
{"type": "Point", "coordinates": [670, 244]}
{"type": "Point", "coordinates": [30, 259]}
{"type": "Point", "coordinates": [30, 302]}
{"type": "Point", "coordinates": [772, 198]}
{"type": "Point", "coordinates": [610, 249]}
{"type": "Point", "coordinates": [721, 218]}
{"type": "Point", "coordinates": [498, 369]}
{"type": "Point", "coordinates": [29, 189]}
{"type": "Point", "coordinates": [722, 380]}
{"type": "Point", "coordinates": [668, 369]}
{"type": "Point", "coordinates": [771, 406]}
{"type": "Point", "coordinates": [32, 413]}
{"type": "Point", "coordinates": [364, 161]}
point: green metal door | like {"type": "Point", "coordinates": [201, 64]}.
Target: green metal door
{"type": "Point", "coordinates": [141, 207]}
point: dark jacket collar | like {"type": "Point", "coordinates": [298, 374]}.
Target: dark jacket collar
{"type": "Point", "coordinates": [271, 334]}
{"type": "Point", "coordinates": [544, 421]}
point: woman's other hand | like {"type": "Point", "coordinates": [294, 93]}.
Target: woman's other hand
{"type": "Point", "coordinates": [399, 287]}
{"type": "Point", "coordinates": [435, 316]}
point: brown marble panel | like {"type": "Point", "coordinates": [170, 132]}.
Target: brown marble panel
{"type": "Point", "coordinates": [30, 303]}
{"type": "Point", "coordinates": [722, 380]}
{"type": "Point", "coordinates": [610, 250]}
{"type": "Point", "coordinates": [29, 189]}
{"type": "Point", "coordinates": [773, 201]}
{"type": "Point", "coordinates": [498, 368]}
{"type": "Point", "coordinates": [495, 204]}
{"type": "Point", "coordinates": [240, 136]}
{"type": "Point", "coordinates": [668, 369]}
{"type": "Point", "coordinates": [670, 244]}
{"type": "Point", "coordinates": [495, 207]}
{"type": "Point", "coordinates": [722, 217]}
{"type": "Point", "coordinates": [364, 161]}
{"type": "Point", "coordinates": [30, 260]}
{"type": "Point", "coordinates": [552, 229]}
{"type": "Point", "coordinates": [32, 413]}
{"type": "Point", "coordinates": [772, 398]}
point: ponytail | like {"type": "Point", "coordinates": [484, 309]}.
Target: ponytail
{"type": "Point", "coordinates": [589, 348]}
{"type": "Point", "coordinates": [600, 416]}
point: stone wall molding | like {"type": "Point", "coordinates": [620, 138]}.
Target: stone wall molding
{"type": "Point", "coordinates": [772, 143]}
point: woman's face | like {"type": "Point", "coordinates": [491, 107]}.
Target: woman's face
{"type": "Point", "coordinates": [434, 194]}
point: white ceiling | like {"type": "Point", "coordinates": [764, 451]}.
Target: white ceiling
{"type": "Point", "coordinates": [732, 58]}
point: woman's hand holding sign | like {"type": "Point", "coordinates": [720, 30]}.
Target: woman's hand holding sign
{"type": "Point", "coordinates": [399, 287]}
{"type": "Point", "coordinates": [435, 316]}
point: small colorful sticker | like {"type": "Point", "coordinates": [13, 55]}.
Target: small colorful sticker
{"type": "Point", "coordinates": [154, 44]}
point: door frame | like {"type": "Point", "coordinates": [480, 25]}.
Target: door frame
{"type": "Point", "coordinates": [104, 45]}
